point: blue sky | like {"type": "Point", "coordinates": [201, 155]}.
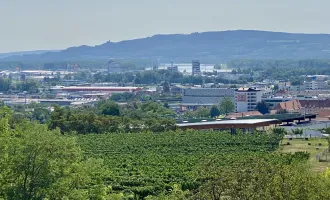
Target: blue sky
{"type": "Point", "coordinates": [58, 24]}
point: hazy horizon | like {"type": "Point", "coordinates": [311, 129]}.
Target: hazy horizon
{"type": "Point", "coordinates": [39, 25]}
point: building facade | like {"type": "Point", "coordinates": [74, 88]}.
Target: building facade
{"type": "Point", "coordinates": [246, 99]}
{"type": "Point", "coordinates": [173, 68]}
{"type": "Point", "coordinates": [274, 101]}
{"type": "Point", "coordinates": [196, 67]}
{"type": "Point", "coordinates": [315, 85]}
{"type": "Point", "coordinates": [315, 82]}
{"type": "Point", "coordinates": [195, 97]}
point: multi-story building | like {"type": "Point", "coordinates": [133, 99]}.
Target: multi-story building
{"type": "Point", "coordinates": [246, 99]}
{"type": "Point", "coordinates": [315, 82]}
{"type": "Point", "coordinates": [173, 68]}
{"type": "Point", "coordinates": [315, 85]}
{"type": "Point", "coordinates": [195, 97]}
{"type": "Point", "coordinates": [196, 67]}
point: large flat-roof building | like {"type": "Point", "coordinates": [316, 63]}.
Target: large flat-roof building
{"type": "Point", "coordinates": [246, 125]}
{"type": "Point", "coordinates": [194, 97]}
{"type": "Point", "coordinates": [97, 89]}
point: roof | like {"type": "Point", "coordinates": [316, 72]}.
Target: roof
{"type": "Point", "coordinates": [106, 87]}
{"type": "Point", "coordinates": [281, 92]}
{"type": "Point", "coordinates": [324, 113]}
{"type": "Point", "coordinates": [243, 89]}
{"type": "Point", "coordinates": [241, 123]}
{"type": "Point", "coordinates": [87, 88]}
{"type": "Point", "coordinates": [289, 105]}
{"type": "Point", "coordinates": [240, 114]}
{"type": "Point", "coordinates": [315, 103]}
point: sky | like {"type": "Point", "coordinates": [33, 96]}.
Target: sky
{"type": "Point", "coordinates": [59, 24]}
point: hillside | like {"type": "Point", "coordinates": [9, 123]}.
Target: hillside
{"type": "Point", "coordinates": [208, 47]}
{"type": "Point", "coordinates": [21, 53]}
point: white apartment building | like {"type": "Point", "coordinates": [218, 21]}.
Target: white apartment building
{"type": "Point", "coordinates": [246, 99]}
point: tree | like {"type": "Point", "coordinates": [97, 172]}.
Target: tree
{"type": "Point", "coordinates": [214, 112]}
{"type": "Point", "coordinates": [30, 86]}
{"type": "Point", "coordinates": [227, 105]}
{"type": "Point", "coordinates": [36, 163]}
{"type": "Point", "coordinates": [166, 105]}
{"type": "Point", "coordinates": [40, 114]}
{"type": "Point", "coordinates": [107, 107]}
{"type": "Point", "coordinates": [4, 84]}
{"type": "Point", "coordinates": [166, 87]}
{"type": "Point", "coordinates": [202, 112]}
{"type": "Point", "coordinates": [297, 131]}
{"type": "Point", "coordinates": [262, 107]}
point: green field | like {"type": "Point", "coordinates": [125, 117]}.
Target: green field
{"type": "Point", "coordinates": [298, 145]}
{"type": "Point", "coordinates": [148, 164]}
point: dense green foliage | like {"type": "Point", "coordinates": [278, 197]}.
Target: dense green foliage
{"type": "Point", "coordinates": [132, 161]}
{"type": "Point", "coordinates": [108, 117]}
{"type": "Point", "coordinates": [273, 64]}
{"type": "Point", "coordinates": [36, 163]}
{"type": "Point", "coordinates": [149, 164]}
{"type": "Point", "coordinates": [123, 97]}
{"type": "Point", "coordinates": [288, 70]}
{"type": "Point", "coordinates": [7, 84]}
{"type": "Point", "coordinates": [214, 111]}
{"type": "Point", "coordinates": [226, 105]}
{"type": "Point", "coordinates": [158, 76]}
{"type": "Point", "coordinates": [262, 107]}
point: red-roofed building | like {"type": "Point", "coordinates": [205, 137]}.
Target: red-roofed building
{"type": "Point", "coordinates": [293, 106]}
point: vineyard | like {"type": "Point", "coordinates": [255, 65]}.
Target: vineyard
{"type": "Point", "coordinates": [149, 164]}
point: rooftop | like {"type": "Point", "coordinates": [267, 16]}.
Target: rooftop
{"type": "Point", "coordinates": [240, 123]}
{"type": "Point", "coordinates": [246, 89]}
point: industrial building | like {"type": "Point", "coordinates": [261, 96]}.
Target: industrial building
{"type": "Point", "coordinates": [96, 89]}
{"type": "Point", "coordinates": [246, 125]}
{"type": "Point", "coordinates": [194, 97]}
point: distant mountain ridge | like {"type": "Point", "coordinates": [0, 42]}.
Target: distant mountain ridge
{"type": "Point", "coordinates": [21, 53]}
{"type": "Point", "coordinates": [207, 46]}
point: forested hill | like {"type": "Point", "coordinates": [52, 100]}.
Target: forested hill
{"type": "Point", "coordinates": [208, 47]}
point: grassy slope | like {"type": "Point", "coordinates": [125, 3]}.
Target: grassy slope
{"type": "Point", "coordinates": [297, 145]}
